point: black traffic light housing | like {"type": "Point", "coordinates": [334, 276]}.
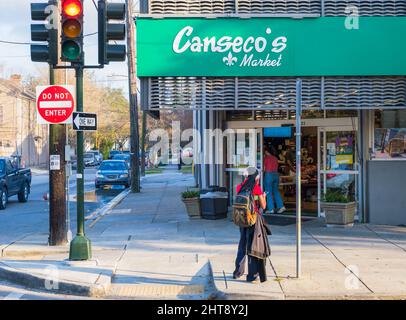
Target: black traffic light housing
{"type": "Point", "coordinates": [111, 32]}
{"type": "Point", "coordinates": [45, 32]}
{"type": "Point", "coordinates": [72, 31]}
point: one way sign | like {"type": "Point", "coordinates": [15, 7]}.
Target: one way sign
{"type": "Point", "coordinates": [84, 121]}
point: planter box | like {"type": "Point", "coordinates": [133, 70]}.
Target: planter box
{"type": "Point", "coordinates": [193, 207]}
{"type": "Point", "coordinates": [339, 214]}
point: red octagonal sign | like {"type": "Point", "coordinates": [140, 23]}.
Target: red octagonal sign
{"type": "Point", "coordinates": [55, 104]}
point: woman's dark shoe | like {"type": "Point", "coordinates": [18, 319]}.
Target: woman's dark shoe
{"type": "Point", "coordinates": [253, 279]}
{"type": "Point", "coordinates": [236, 275]}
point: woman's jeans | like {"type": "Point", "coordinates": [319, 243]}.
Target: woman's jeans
{"type": "Point", "coordinates": [271, 183]}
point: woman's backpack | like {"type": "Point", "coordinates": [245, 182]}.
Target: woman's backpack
{"type": "Point", "coordinates": [244, 210]}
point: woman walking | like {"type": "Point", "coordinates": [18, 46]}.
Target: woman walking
{"type": "Point", "coordinates": [253, 240]}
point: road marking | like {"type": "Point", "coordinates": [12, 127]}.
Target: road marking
{"type": "Point", "coordinates": [13, 296]}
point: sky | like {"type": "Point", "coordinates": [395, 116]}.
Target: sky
{"type": "Point", "coordinates": [15, 21]}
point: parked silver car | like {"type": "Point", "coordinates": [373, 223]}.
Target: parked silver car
{"type": "Point", "coordinates": [113, 172]}
{"type": "Point", "coordinates": [98, 156]}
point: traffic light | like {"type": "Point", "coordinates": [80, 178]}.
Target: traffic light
{"type": "Point", "coordinates": [72, 30]}
{"type": "Point", "coordinates": [111, 32]}
{"type": "Point", "coordinates": [47, 31]}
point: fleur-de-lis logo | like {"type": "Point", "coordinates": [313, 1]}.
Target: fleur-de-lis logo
{"type": "Point", "coordinates": [229, 60]}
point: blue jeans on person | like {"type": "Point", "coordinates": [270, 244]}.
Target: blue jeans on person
{"type": "Point", "coordinates": [271, 183]}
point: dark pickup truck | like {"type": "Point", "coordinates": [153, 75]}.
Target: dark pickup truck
{"type": "Point", "coordinates": [13, 181]}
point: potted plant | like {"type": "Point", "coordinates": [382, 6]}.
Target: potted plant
{"type": "Point", "coordinates": [191, 199]}
{"type": "Point", "coordinates": [339, 209]}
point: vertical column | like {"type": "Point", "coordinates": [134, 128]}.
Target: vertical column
{"type": "Point", "coordinates": [57, 192]}
{"type": "Point", "coordinates": [80, 247]}
{"type": "Point", "coordinates": [298, 179]}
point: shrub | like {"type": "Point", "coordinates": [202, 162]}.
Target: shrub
{"type": "Point", "coordinates": [190, 194]}
{"type": "Point", "coordinates": [335, 196]}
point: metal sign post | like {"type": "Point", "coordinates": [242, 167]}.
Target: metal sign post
{"type": "Point", "coordinates": [80, 246]}
{"type": "Point", "coordinates": [298, 178]}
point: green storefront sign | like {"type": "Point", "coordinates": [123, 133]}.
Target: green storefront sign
{"type": "Point", "coordinates": [327, 46]}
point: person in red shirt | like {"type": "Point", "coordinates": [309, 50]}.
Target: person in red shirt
{"type": "Point", "coordinates": [256, 267]}
{"type": "Point", "coordinates": [271, 182]}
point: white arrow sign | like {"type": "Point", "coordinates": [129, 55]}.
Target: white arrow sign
{"type": "Point", "coordinates": [84, 121]}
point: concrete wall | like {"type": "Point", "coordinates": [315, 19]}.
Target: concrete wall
{"type": "Point", "coordinates": [386, 195]}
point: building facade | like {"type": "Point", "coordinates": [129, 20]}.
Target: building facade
{"type": "Point", "coordinates": [19, 133]}
{"type": "Point", "coordinates": [353, 135]}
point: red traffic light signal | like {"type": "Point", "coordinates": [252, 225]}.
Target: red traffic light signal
{"type": "Point", "coordinates": [72, 30]}
{"type": "Point", "coordinates": [72, 8]}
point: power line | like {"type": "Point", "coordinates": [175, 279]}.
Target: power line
{"type": "Point", "coordinates": [90, 34]}
{"type": "Point", "coordinates": [95, 5]}
{"type": "Point", "coordinates": [16, 57]}
{"type": "Point", "coordinates": [28, 43]}
{"type": "Point", "coordinates": [15, 42]}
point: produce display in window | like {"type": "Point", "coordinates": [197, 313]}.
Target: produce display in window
{"type": "Point", "coordinates": [390, 143]}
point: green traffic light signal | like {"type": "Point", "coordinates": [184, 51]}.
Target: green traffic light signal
{"type": "Point", "coordinates": [71, 50]}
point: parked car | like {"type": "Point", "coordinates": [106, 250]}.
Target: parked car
{"type": "Point", "coordinates": [112, 153]}
{"type": "Point", "coordinates": [14, 180]}
{"type": "Point", "coordinates": [123, 156]}
{"type": "Point", "coordinates": [113, 172]}
{"type": "Point", "coordinates": [98, 155]}
{"type": "Point", "coordinates": [74, 162]}
{"type": "Point", "coordinates": [90, 160]}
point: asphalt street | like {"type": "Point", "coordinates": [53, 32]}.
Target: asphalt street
{"type": "Point", "coordinates": [21, 219]}
{"type": "Point", "coordinates": [10, 291]}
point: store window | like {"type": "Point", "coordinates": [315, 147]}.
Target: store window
{"type": "Point", "coordinates": [239, 115]}
{"type": "Point", "coordinates": [341, 113]}
{"type": "Point", "coordinates": [390, 135]}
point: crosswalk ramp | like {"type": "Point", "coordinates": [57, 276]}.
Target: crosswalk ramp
{"type": "Point", "coordinates": [156, 291]}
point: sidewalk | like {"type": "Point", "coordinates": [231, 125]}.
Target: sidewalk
{"type": "Point", "coordinates": [146, 247]}
{"type": "Point", "coordinates": [38, 171]}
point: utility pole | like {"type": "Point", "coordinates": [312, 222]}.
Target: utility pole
{"type": "Point", "coordinates": [143, 133]}
{"type": "Point", "coordinates": [132, 84]}
{"type": "Point", "coordinates": [57, 178]}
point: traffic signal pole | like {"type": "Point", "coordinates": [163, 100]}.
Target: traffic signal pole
{"type": "Point", "coordinates": [47, 48]}
{"type": "Point", "coordinates": [80, 247]}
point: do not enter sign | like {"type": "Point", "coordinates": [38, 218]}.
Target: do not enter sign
{"type": "Point", "coordinates": [55, 104]}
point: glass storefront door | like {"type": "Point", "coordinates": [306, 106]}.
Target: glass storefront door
{"type": "Point", "coordinates": [247, 151]}
{"type": "Point", "coordinates": [338, 163]}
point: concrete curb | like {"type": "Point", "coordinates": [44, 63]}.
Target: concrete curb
{"type": "Point", "coordinates": [213, 292]}
{"type": "Point", "coordinates": [109, 206]}
{"type": "Point", "coordinates": [98, 289]}
{"type": "Point", "coordinates": [205, 290]}
{"type": "Point", "coordinates": [32, 253]}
